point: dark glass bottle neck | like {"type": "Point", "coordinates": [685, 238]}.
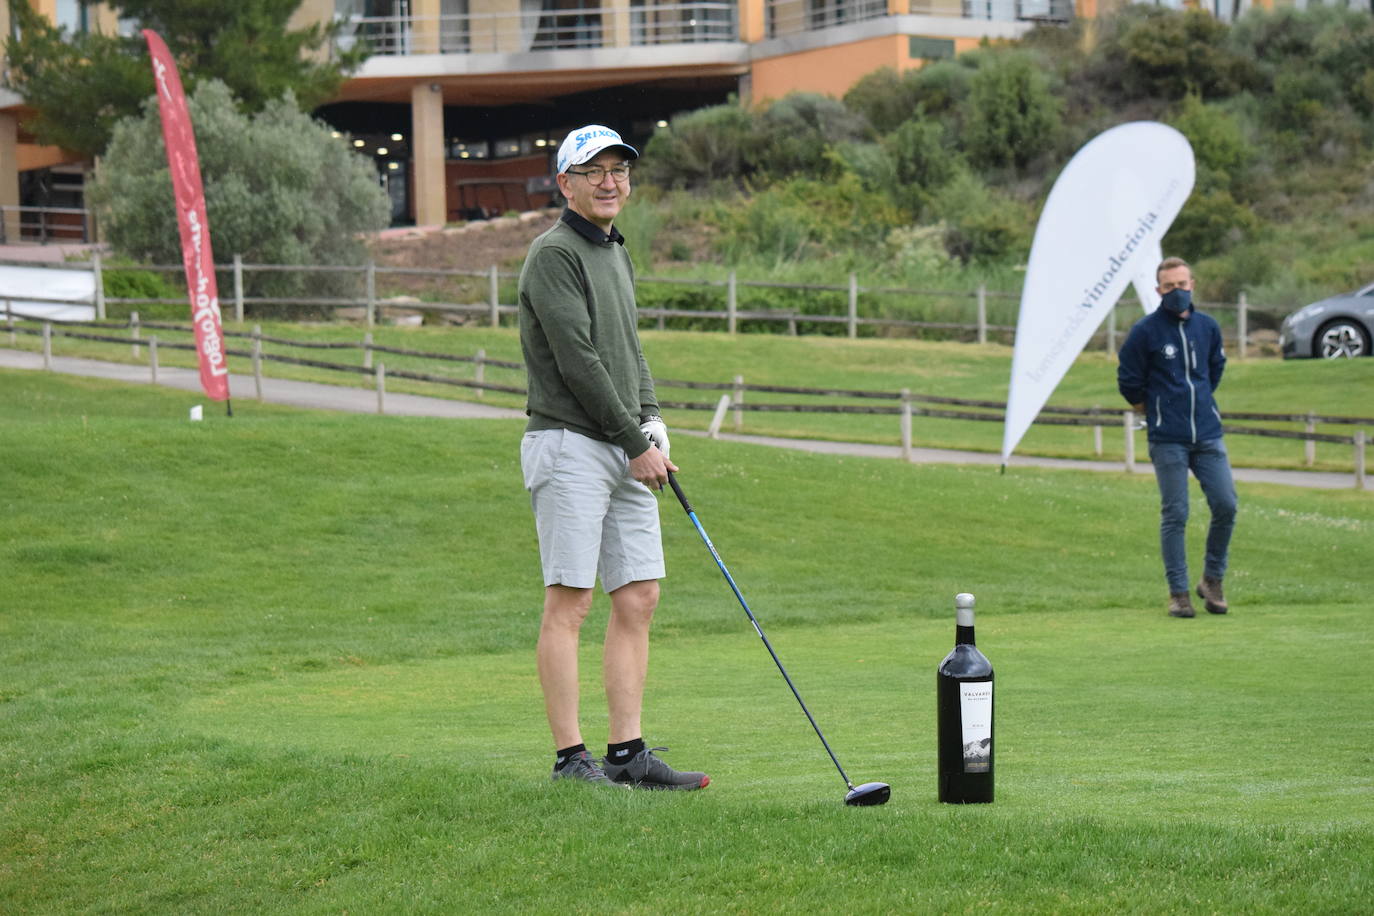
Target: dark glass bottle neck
{"type": "Point", "coordinates": [963, 636]}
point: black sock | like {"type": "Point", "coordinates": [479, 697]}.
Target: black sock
{"type": "Point", "coordinates": [563, 756]}
{"type": "Point", "coordinates": [625, 751]}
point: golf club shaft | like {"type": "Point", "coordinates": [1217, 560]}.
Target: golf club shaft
{"type": "Point", "coordinates": [696, 523]}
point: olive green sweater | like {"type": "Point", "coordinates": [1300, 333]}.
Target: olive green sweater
{"type": "Point", "coordinates": [579, 334]}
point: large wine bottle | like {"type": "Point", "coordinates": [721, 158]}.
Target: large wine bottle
{"type": "Point", "coordinates": [963, 705]}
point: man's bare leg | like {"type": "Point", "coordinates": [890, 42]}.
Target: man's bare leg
{"type": "Point", "coordinates": [625, 661]}
{"type": "Point", "coordinates": [564, 611]}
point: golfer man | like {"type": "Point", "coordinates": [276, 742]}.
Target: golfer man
{"type": "Point", "coordinates": [1169, 367]}
{"type": "Point", "coordinates": [593, 449]}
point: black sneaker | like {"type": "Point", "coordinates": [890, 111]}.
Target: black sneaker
{"type": "Point", "coordinates": [645, 771]}
{"type": "Point", "coordinates": [583, 767]}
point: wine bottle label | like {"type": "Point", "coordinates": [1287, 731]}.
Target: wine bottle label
{"type": "Point", "coordinates": [975, 713]}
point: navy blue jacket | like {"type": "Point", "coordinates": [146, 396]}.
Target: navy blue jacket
{"type": "Point", "coordinates": [1172, 366]}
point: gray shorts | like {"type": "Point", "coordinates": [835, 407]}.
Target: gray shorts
{"type": "Point", "coordinates": [591, 515]}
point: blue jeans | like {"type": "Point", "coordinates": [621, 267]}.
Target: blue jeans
{"type": "Point", "coordinates": [1208, 462]}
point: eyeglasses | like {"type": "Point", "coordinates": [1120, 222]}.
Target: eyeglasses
{"type": "Point", "coordinates": [596, 174]}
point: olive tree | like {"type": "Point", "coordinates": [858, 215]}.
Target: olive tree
{"type": "Point", "coordinates": [279, 189]}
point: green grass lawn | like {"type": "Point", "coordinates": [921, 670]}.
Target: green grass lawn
{"type": "Point", "coordinates": [284, 663]}
{"type": "Point", "coordinates": [980, 372]}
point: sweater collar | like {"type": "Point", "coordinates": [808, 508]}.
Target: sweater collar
{"type": "Point", "coordinates": [590, 230]}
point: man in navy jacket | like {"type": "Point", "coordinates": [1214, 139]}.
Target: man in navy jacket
{"type": "Point", "coordinates": [1169, 367]}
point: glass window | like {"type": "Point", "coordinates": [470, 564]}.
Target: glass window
{"type": "Point", "coordinates": [71, 15]}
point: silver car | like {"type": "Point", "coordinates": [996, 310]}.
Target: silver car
{"type": "Point", "coordinates": [1341, 326]}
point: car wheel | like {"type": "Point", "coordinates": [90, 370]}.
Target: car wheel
{"type": "Point", "coordinates": [1341, 338]}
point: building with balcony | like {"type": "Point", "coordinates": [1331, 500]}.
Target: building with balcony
{"type": "Point", "coordinates": [463, 102]}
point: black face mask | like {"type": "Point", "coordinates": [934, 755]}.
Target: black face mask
{"type": "Point", "coordinates": [1177, 301]}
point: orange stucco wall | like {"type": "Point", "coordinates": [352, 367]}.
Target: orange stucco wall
{"type": "Point", "coordinates": [832, 71]}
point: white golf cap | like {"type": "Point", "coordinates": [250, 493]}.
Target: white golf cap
{"type": "Point", "coordinates": [585, 142]}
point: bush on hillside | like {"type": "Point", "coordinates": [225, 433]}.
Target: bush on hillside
{"type": "Point", "coordinates": [884, 97]}
{"type": "Point", "coordinates": [1153, 52]}
{"type": "Point", "coordinates": [794, 135]}
{"type": "Point", "coordinates": [278, 190]}
{"type": "Point", "coordinates": [1013, 113]}
{"type": "Point", "coordinates": [1220, 147]}
{"type": "Point", "coordinates": [982, 224]}
{"type": "Point", "coordinates": [807, 218]}
{"type": "Point", "coordinates": [700, 148]}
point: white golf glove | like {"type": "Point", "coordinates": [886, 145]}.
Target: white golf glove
{"type": "Point", "coordinates": [656, 432]}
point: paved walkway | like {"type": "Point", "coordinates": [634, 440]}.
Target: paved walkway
{"type": "Point", "coordinates": [364, 400]}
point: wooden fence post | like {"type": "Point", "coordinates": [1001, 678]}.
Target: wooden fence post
{"type": "Point", "coordinates": [1310, 445]}
{"type": "Point", "coordinates": [257, 360]}
{"type": "Point", "coordinates": [494, 296]}
{"type": "Point", "coordinates": [982, 313]}
{"type": "Point", "coordinates": [1242, 324]}
{"type": "Point", "coordinates": [1128, 423]}
{"type": "Point", "coordinates": [381, 387]}
{"type": "Point", "coordinates": [731, 303]}
{"type": "Point", "coordinates": [853, 305]}
{"type": "Point", "coordinates": [479, 374]}
{"type": "Point", "coordinates": [367, 350]}
{"type": "Point", "coordinates": [238, 288]}
{"type": "Point", "coordinates": [152, 358]}
{"type": "Point", "coordinates": [370, 284]}
{"type": "Point", "coordinates": [47, 345]}
{"type": "Point", "coordinates": [99, 285]}
{"type": "Point", "coordinates": [1360, 439]}
{"type": "Point", "coordinates": [1097, 434]}
{"type": "Point", "coordinates": [906, 424]}
{"type": "Point", "coordinates": [739, 400]}
{"type": "Point", "coordinates": [134, 334]}
{"type": "Point", "coordinates": [722, 406]}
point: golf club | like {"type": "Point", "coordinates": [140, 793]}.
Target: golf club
{"type": "Point", "coordinates": [870, 793]}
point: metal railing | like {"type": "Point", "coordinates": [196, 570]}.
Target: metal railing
{"type": "Point", "coordinates": [44, 224]}
{"type": "Point", "coordinates": [518, 30]}
{"type": "Point", "coordinates": [789, 17]}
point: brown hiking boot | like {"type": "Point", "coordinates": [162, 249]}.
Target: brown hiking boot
{"type": "Point", "coordinates": [1180, 605]}
{"type": "Point", "coordinates": [1209, 590]}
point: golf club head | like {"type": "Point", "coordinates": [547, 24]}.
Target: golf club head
{"type": "Point", "coordinates": [870, 793]}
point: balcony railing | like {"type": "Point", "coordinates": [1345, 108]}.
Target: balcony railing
{"type": "Point", "coordinates": [517, 31]}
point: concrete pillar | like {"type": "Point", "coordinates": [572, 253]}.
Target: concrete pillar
{"type": "Point", "coordinates": [615, 19]}
{"type": "Point", "coordinates": [424, 35]}
{"type": "Point", "coordinates": [752, 20]}
{"type": "Point", "coordinates": [496, 27]}
{"type": "Point", "coordinates": [9, 174]}
{"type": "Point", "coordinates": [427, 147]}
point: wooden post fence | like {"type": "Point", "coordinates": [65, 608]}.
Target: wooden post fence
{"type": "Point", "coordinates": [479, 370]}
{"type": "Point", "coordinates": [731, 303]}
{"type": "Point", "coordinates": [853, 305]}
{"type": "Point", "coordinates": [494, 296]}
{"type": "Point", "coordinates": [257, 360]}
{"type": "Point", "coordinates": [238, 288]}
{"type": "Point", "coordinates": [1360, 439]}
{"type": "Point", "coordinates": [152, 358]}
{"type": "Point", "coordinates": [1242, 323]}
{"type": "Point", "coordinates": [47, 345]}
{"type": "Point", "coordinates": [906, 424]}
{"type": "Point", "coordinates": [99, 285]}
{"type": "Point", "coordinates": [134, 335]}
{"type": "Point", "coordinates": [381, 387]}
{"type": "Point", "coordinates": [982, 313]}
{"type": "Point", "coordinates": [739, 402]}
{"type": "Point", "coordinates": [1128, 423]}
{"type": "Point", "coordinates": [370, 284]}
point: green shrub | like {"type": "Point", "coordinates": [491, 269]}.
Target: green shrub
{"type": "Point", "coordinates": [1211, 222]}
{"type": "Point", "coordinates": [805, 219]}
{"type": "Point", "coordinates": [794, 135]}
{"type": "Point", "coordinates": [278, 190]}
{"type": "Point", "coordinates": [982, 224]}
{"type": "Point", "coordinates": [700, 148]}
{"type": "Point", "coordinates": [1220, 148]}
{"type": "Point", "coordinates": [884, 97]}
{"type": "Point", "coordinates": [1013, 114]}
